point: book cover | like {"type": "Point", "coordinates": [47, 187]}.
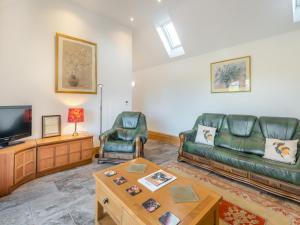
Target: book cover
{"type": "Point", "coordinates": [183, 194]}
{"type": "Point", "coordinates": [120, 180]}
{"type": "Point", "coordinates": [169, 219]}
{"type": "Point", "coordinates": [157, 180]}
{"type": "Point", "coordinates": [151, 205]}
{"type": "Point", "coordinates": [133, 190]}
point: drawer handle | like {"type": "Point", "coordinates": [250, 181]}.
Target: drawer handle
{"type": "Point", "coordinates": [105, 201]}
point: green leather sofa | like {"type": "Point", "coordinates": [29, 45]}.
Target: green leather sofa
{"type": "Point", "coordinates": [239, 149]}
{"type": "Point", "coordinates": [126, 139]}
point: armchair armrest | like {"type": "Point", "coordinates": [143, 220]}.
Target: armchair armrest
{"type": "Point", "coordinates": [104, 137]}
{"type": "Point", "coordinates": [140, 139]}
{"type": "Point", "coordinates": [142, 135]}
{"type": "Point", "coordinates": [107, 134]}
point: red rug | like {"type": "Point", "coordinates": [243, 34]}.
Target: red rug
{"type": "Point", "coordinates": [235, 215]}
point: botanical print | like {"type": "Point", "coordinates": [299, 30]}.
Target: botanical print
{"type": "Point", "coordinates": [281, 149]}
{"type": "Point", "coordinates": [231, 75]}
{"type": "Point", "coordinates": [76, 65]}
{"type": "Point", "coordinates": [207, 135]}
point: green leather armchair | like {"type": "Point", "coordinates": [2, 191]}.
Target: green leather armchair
{"type": "Point", "coordinates": [126, 139]}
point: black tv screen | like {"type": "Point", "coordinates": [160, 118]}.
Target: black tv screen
{"type": "Point", "coordinates": [15, 123]}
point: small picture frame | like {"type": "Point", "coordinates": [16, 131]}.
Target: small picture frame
{"type": "Point", "coordinates": [51, 126]}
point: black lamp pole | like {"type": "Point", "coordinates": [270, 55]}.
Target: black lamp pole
{"type": "Point", "coordinates": [101, 98]}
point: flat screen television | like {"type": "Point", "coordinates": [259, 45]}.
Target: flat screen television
{"type": "Point", "coordinates": [15, 123]}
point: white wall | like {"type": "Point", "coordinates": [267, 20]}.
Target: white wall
{"type": "Point", "coordinates": [173, 95]}
{"type": "Point", "coordinates": [27, 61]}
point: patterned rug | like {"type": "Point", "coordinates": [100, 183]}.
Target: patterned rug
{"type": "Point", "coordinates": [242, 204]}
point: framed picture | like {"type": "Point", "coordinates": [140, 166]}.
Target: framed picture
{"type": "Point", "coordinates": [232, 75]}
{"type": "Point", "coordinates": [76, 65]}
{"type": "Point", "coordinates": [51, 126]}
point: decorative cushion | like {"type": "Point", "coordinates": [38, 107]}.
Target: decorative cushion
{"type": "Point", "coordinates": [282, 151]}
{"type": "Point", "coordinates": [206, 135]}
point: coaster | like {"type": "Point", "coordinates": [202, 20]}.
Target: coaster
{"type": "Point", "coordinates": [120, 180]}
{"type": "Point", "coordinates": [169, 219]}
{"type": "Point", "coordinates": [183, 194]}
{"type": "Point", "coordinates": [133, 190]}
{"type": "Point", "coordinates": [136, 168]}
{"type": "Point", "coordinates": [151, 205]}
{"type": "Point", "coordinates": [110, 173]}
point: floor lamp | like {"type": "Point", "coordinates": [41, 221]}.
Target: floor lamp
{"type": "Point", "coordinates": [101, 101]}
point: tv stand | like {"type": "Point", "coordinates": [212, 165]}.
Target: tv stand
{"type": "Point", "coordinates": [39, 157]}
{"type": "Point", "coordinates": [11, 143]}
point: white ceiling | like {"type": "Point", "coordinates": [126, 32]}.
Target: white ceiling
{"type": "Point", "coordinates": [203, 25]}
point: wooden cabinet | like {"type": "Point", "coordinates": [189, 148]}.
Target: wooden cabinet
{"type": "Point", "coordinates": [63, 152]}
{"type": "Point", "coordinates": [17, 166]}
{"type": "Point", "coordinates": [25, 165]}
{"type": "Point", "coordinates": [24, 162]}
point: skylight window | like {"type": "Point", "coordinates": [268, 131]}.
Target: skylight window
{"type": "Point", "coordinates": [296, 10]}
{"type": "Point", "coordinates": [170, 39]}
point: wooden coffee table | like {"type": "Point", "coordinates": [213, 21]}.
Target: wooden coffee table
{"type": "Point", "coordinates": [115, 206]}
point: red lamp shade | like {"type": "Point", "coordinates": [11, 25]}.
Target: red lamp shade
{"type": "Point", "coordinates": [76, 115]}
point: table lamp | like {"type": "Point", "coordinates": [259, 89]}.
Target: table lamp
{"type": "Point", "coordinates": [76, 115]}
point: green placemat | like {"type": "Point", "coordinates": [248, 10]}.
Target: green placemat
{"type": "Point", "coordinates": [136, 168]}
{"type": "Point", "coordinates": [183, 194]}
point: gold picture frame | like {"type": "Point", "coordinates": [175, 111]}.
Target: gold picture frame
{"type": "Point", "coordinates": [76, 65]}
{"type": "Point", "coordinates": [233, 75]}
{"type": "Point", "coordinates": [51, 126]}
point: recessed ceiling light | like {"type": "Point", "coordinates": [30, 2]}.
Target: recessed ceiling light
{"type": "Point", "coordinates": [131, 19]}
{"type": "Point", "coordinates": [159, 1]}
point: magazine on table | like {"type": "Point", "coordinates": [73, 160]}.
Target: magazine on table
{"type": "Point", "coordinates": [157, 180]}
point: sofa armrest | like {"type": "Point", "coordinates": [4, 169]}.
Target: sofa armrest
{"type": "Point", "coordinates": [189, 135]}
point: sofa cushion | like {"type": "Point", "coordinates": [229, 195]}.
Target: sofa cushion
{"type": "Point", "coordinates": [278, 128]}
{"type": "Point", "coordinates": [241, 125]}
{"type": "Point", "coordinates": [254, 144]}
{"type": "Point", "coordinates": [119, 146]}
{"type": "Point", "coordinates": [256, 164]}
{"type": "Point", "coordinates": [197, 148]}
{"type": "Point", "coordinates": [130, 119]}
{"type": "Point", "coordinates": [212, 120]}
{"type": "Point", "coordinates": [126, 134]}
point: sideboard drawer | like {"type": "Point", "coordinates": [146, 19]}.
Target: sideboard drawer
{"type": "Point", "coordinates": [46, 152]}
{"type": "Point", "coordinates": [87, 144]}
{"type": "Point", "coordinates": [61, 149]}
{"type": "Point", "coordinates": [75, 146]}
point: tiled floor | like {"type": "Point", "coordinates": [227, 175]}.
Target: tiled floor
{"type": "Point", "coordinates": [65, 198]}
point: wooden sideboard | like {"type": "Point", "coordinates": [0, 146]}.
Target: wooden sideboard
{"type": "Point", "coordinates": [34, 158]}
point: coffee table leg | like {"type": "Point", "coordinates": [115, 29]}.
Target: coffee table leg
{"type": "Point", "coordinates": [99, 212]}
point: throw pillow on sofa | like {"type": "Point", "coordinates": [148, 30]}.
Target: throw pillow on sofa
{"type": "Point", "coordinates": [282, 151]}
{"type": "Point", "coordinates": [206, 135]}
